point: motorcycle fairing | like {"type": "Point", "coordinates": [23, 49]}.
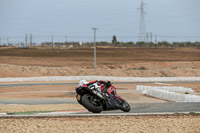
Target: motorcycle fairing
{"type": "Point", "coordinates": [112, 103]}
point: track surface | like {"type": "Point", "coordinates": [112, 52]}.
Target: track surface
{"type": "Point", "coordinates": [135, 107]}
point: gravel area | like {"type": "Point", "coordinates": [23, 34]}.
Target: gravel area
{"type": "Point", "coordinates": [46, 107]}
{"type": "Point", "coordinates": [111, 124]}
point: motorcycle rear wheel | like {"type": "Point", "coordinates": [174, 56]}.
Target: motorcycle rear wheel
{"type": "Point", "coordinates": [88, 102]}
{"type": "Point", "coordinates": [125, 106]}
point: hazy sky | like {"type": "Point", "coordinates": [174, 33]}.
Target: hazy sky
{"type": "Point", "coordinates": [112, 17]}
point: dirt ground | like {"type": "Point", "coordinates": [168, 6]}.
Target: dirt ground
{"type": "Point", "coordinates": [110, 124]}
{"type": "Point", "coordinates": [136, 62]}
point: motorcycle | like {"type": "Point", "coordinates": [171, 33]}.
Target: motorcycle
{"type": "Point", "coordinates": [91, 97]}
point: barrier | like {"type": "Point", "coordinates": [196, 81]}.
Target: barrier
{"type": "Point", "coordinates": [111, 78]}
{"type": "Point", "coordinates": [192, 98]}
{"type": "Point", "coordinates": [167, 93]}
{"type": "Point", "coordinates": [166, 88]}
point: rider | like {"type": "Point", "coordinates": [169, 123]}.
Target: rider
{"type": "Point", "coordinates": [99, 84]}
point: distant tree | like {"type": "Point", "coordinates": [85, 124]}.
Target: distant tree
{"type": "Point", "coordinates": [114, 40]}
{"type": "Point", "coordinates": [163, 44]}
{"type": "Point", "coordinates": [140, 44]}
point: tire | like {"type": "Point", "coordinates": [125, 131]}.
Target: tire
{"type": "Point", "coordinates": [88, 103]}
{"type": "Point", "coordinates": [125, 106]}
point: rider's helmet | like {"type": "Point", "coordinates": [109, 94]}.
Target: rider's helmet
{"type": "Point", "coordinates": [82, 82]}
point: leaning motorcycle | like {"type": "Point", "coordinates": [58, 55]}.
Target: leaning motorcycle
{"type": "Point", "coordinates": [96, 101]}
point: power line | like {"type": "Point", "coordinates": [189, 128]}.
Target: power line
{"type": "Point", "coordinates": [52, 42]}
{"type": "Point", "coordinates": [142, 30]}
{"type": "Point", "coordinates": [26, 40]}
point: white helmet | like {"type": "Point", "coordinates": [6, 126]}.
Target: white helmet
{"type": "Point", "coordinates": [82, 82]}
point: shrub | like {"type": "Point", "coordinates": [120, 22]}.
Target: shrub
{"type": "Point", "coordinates": [142, 68]}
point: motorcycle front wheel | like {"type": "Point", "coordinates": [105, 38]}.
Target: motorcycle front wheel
{"type": "Point", "coordinates": [125, 106]}
{"type": "Point", "coordinates": [92, 104]}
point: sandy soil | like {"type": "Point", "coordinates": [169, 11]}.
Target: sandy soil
{"type": "Point", "coordinates": [110, 124]}
{"type": "Point", "coordinates": [110, 62]}
{"type": "Point", "coordinates": [167, 69]}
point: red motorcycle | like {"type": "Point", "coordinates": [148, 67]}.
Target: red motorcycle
{"type": "Point", "coordinates": [98, 96]}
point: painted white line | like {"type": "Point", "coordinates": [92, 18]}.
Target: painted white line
{"type": "Point", "coordinates": [27, 92]}
{"type": "Point", "coordinates": [52, 113]}
{"type": "Point", "coordinates": [62, 113]}
{"type": "Point", "coordinates": [131, 114]}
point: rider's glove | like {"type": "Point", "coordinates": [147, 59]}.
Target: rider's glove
{"type": "Point", "coordinates": [107, 84]}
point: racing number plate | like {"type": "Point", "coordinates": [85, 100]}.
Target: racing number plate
{"type": "Point", "coordinates": [79, 97]}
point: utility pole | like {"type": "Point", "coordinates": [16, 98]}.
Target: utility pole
{"type": "Point", "coordinates": [65, 40]}
{"type": "Point", "coordinates": [155, 40]}
{"type": "Point", "coordinates": [26, 40]}
{"type": "Point", "coordinates": [31, 39]}
{"type": "Point", "coordinates": [147, 37]}
{"type": "Point", "coordinates": [151, 36]}
{"type": "Point", "coordinates": [147, 40]}
{"type": "Point", "coordinates": [52, 41]}
{"type": "Point", "coordinates": [94, 46]}
{"type": "Point", "coordinates": [8, 41]}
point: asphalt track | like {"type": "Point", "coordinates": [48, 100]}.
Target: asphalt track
{"type": "Point", "coordinates": [135, 107]}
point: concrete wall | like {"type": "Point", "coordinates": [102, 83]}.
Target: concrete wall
{"type": "Point", "coordinates": [111, 78]}
{"type": "Point", "coordinates": [169, 93]}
